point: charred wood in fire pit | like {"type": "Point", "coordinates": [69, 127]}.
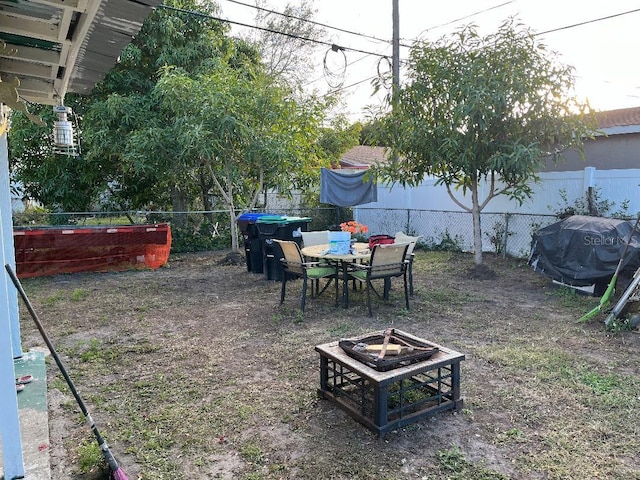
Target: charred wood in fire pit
{"type": "Point", "coordinates": [401, 349]}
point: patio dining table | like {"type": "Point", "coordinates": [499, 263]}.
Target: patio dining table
{"type": "Point", "coordinates": [359, 252]}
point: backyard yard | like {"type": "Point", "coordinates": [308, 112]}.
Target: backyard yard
{"type": "Point", "coordinates": [194, 370]}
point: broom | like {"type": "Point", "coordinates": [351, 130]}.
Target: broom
{"type": "Point", "coordinates": [606, 297]}
{"type": "Point", "coordinates": [117, 473]}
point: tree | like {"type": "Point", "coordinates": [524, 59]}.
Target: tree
{"type": "Point", "coordinates": [284, 43]}
{"type": "Point", "coordinates": [371, 133]}
{"type": "Point", "coordinates": [189, 113]}
{"type": "Point", "coordinates": [119, 111]}
{"type": "Point", "coordinates": [339, 137]}
{"type": "Point", "coordinates": [125, 112]}
{"type": "Point", "coordinates": [240, 131]}
{"type": "Point", "coordinates": [192, 113]}
{"type": "Point", "coordinates": [478, 109]}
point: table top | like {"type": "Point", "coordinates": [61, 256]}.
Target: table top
{"type": "Point", "coordinates": [362, 252]}
{"type": "Point", "coordinates": [445, 356]}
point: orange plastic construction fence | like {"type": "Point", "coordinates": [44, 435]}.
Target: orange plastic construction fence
{"type": "Point", "coordinates": [51, 250]}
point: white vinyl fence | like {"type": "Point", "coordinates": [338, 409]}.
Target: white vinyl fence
{"type": "Point", "coordinates": [428, 210]}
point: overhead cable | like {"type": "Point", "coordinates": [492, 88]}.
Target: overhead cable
{"type": "Point", "coordinates": [588, 21]}
{"type": "Point", "coordinates": [466, 16]}
{"type": "Point", "coordinates": [348, 65]}
{"type": "Point", "coordinates": [286, 34]}
{"type": "Point", "coordinates": [350, 86]}
{"type": "Point", "coordinates": [310, 21]}
{"type": "Point", "coordinates": [334, 80]}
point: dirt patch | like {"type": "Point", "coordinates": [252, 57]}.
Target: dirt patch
{"type": "Point", "coordinates": [195, 370]}
{"type": "Point", "coordinates": [481, 272]}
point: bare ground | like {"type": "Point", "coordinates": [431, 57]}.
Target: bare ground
{"type": "Point", "coordinates": [195, 371]}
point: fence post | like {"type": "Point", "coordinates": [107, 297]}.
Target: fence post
{"type": "Point", "coordinates": [409, 232]}
{"type": "Point", "coordinates": [506, 235]}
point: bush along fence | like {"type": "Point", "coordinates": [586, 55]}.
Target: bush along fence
{"type": "Point", "coordinates": [503, 233]}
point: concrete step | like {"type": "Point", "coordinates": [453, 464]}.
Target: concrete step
{"type": "Point", "coordinates": [34, 417]}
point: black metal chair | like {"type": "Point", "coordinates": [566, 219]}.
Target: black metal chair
{"type": "Point", "coordinates": [295, 266]}
{"type": "Point", "coordinates": [387, 261]}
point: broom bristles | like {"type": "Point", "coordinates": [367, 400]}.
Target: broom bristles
{"type": "Point", "coordinates": [119, 474]}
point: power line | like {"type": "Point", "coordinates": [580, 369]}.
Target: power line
{"type": "Point", "coordinates": [310, 21]}
{"type": "Point", "coordinates": [348, 65]}
{"type": "Point", "coordinates": [269, 30]}
{"type": "Point", "coordinates": [466, 16]}
{"type": "Point", "coordinates": [588, 21]}
{"type": "Point", "coordinates": [350, 86]}
{"type": "Point", "coordinates": [335, 47]}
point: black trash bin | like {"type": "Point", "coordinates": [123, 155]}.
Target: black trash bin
{"type": "Point", "coordinates": [252, 243]}
{"type": "Point", "coordinates": [277, 227]}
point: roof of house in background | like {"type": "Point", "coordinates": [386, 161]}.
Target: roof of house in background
{"type": "Point", "coordinates": [623, 120]}
{"type": "Point", "coordinates": [610, 122]}
{"type": "Point", "coordinates": [56, 46]}
{"type": "Point", "coordinates": [618, 118]}
{"type": "Point", "coordinates": [363, 156]}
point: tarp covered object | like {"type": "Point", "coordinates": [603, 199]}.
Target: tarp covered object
{"type": "Point", "coordinates": [583, 251]}
{"type": "Point", "coordinates": [346, 189]}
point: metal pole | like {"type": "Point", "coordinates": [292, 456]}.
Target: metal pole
{"type": "Point", "coordinates": [506, 235]}
{"type": "Point", "coordinates": [396, 49]}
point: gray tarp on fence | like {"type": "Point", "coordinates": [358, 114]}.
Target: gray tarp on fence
{"type": "Point", "coordinates": [346, 189]}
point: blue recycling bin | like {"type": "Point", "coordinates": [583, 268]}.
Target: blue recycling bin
{"type": "Point", "coordinates": [252, 243]}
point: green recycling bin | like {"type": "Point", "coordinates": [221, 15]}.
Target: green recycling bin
{"type": "Point", "coordinates": [278, 227]}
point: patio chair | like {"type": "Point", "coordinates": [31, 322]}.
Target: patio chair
{"type": "Point", "coordinates": [295, 266]}
{"type": "Point", "coordinates": [309, 239]}
{"type": "Point", "coordinates": [387, 261]}
{"type": "Point", "coordinates": [401, 237]}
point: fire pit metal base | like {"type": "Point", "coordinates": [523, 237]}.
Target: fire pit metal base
{"type": "Point", "coordinates": [386, 400]}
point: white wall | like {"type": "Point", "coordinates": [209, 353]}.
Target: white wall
{"type": "Point", "coordinates": [613, 185]}
{"type": "Point", "coordinates": [434, 215]}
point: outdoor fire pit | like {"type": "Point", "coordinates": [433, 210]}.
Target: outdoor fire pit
{"type": "Point", "coordinates": [413, 380]}
{"type": "Point", "coordinates": [401, 350]}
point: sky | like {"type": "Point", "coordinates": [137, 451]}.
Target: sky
{"type": "Point", "coordinates": [603, 53]}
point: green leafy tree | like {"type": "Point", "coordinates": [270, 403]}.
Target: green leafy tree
{"type": "Point", "coordinates": [190, 115]}
{"type": "Point", "coordinates": [478, 109]}
{"type": "Point", "coordinates": [125, 112]}
{"type": "Point", "coordinates": [119, 111]}
{"type": "Point", "coordinates": [372, 131]}
{"type": "Point", "coordinates": [338, 138]}
{"type": "Point", "coordinates": [239, 131]}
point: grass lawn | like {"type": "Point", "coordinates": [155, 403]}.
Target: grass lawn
{"type": "Point", "coordinates": [196, 371]}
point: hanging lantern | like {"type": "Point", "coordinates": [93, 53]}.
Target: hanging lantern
{"type": "Point", "coordinates": [63, 135]}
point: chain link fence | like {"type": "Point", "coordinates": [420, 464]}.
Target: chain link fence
{"type": "Point", "coordinates": [503, 233]}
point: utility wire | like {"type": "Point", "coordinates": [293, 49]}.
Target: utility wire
{"type": "Point", "coordinates": [350, 86]}
{"type": "Point", "coordinates": [348, 65]}
{"type": "Point", "coordinates": [466, 16]}
{"type": "Point", "coordinates": [588, 21]}
{"type": "Point", "coordinates": [337, 47]}
{"type": "Point", "coordinates": [290, 35]}
{"type": "Point", "coordinates": [310, 21]}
